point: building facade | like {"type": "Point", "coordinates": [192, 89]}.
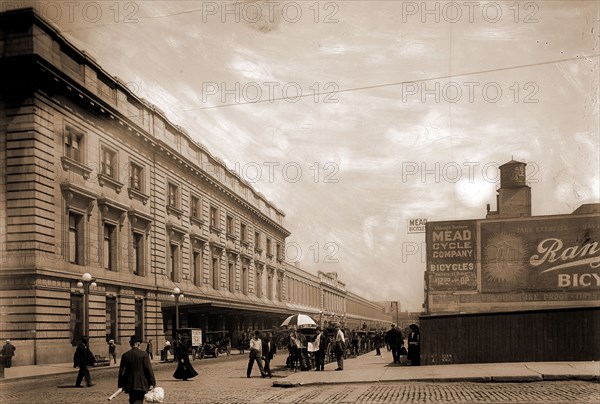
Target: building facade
{"type": "Point", "coordinates": [514, 269]}
{"type": "Point", "coordinates": [96, 180]}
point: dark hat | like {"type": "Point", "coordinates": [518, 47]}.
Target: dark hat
{"type": "Point", "coordinates": [319, 329]}
{"type": "Point", "coordinates": [84, 338]}
{"type": "Point", "coordinates": [134, 339]}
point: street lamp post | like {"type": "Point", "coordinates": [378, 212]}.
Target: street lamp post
{"type": "Point", "coordinates": [86, 281]}
{"type": "Point", "coordinates": [177, 293]}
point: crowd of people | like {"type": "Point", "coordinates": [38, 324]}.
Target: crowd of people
{"type": "Point", "coordinates": [306, 350]}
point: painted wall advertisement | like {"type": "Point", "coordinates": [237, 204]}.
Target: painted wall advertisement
{"type": "Point", "coordinates": [451, 255]}
{"type": "Point", "coordinates": [543, 254]}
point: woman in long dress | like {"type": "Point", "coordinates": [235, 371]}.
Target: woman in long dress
{"type": "Point", "coordinates": [414, 345]}
{"type": "Point", "coordinates": [184, 369]}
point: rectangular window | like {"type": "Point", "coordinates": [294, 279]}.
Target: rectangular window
{"type": "Point", "coordinates": [136, 177]}
{"type": "Point", "coordinates": [173, 195]}
{"type": "Point", "coordinates": [243, 233]}
{"type": "Point", "coordinates": [109, 162]}
{"type": "Point", "coordinates": [73, 143]}
{"type": "Point", "coordinates": [76, 242]}
{"type": "Point", "coordinates": [214, 217]}
{"type": "Point", "coordinates": [138, 254]}
{"type": "Point", "coordinates": [111, 318]}
{"type": "Point", "coordinates": [231, 279]}
{"type": "Point", "coordinates": [269, 286]}
{"type": "Point", "coordinates": [278, 251]}
{"type": "Point", "coordinates": [197, 267]}
{"type": "Point", "coordinates": [269, 252]}
{"type": "Point", "coordinates": [280, 289]}
{"type": "Point", "coordinates": [256, 239]}
{"type": "Point", "coordinates": [109, 247]}
{"type": "Point", "coordinates": [195, 207]}
{"type": "Point", "coordinates": [216, 274]}
{"type": "Point", "coordinates": [76, 321]}
{"type": "Point", "coordinates": [258, 285]}
{"type": "Point", "coordinates": [139, 319]}
{"type": "Point", "coordinates": [174, 260]}
{"type": "Point", "coordinates": [245, 279]}
{"type": "Point", "coordinates": [229, 225]}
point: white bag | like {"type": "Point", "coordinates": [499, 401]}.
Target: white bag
{"type": "Point", "coordinates": [156, 395]}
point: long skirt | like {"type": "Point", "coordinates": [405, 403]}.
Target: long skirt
{"type": "Point", "coordinates": [184, 369]}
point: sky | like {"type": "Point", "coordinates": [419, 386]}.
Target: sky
{"type": "Point", "coordinates": [354, 117]}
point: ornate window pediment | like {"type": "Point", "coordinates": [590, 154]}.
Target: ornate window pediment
{"type": "Point", "coordinates": [78, 198]}
{"type": "Point", "coordinates": [176, 232]}
{"type": "Point", "coordinates": [139, 220]}
{"type": "Point", "coordinates": [112, 211]}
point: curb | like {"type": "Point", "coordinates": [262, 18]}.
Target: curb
{"type": "Point", "coordinates": [482, 379]}
{"type": "Point", "coordinates": [64, 372]}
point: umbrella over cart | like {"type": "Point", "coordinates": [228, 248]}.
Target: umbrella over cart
{"type": "Point", "coordinates": [299, 321]}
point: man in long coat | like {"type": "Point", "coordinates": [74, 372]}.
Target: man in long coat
{"type": "Point", "coordinates": [82, 358]}
{"type": "Point", "coordinates": [268, 352]}
{"type": "Point", "coordinates": [135, 373]}
{"type": "Point", "coordinates": [395, 339]}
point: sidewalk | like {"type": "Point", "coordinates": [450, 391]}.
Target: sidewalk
{"type": "Point", "coordinates": [33, 371]}
{"type": "Point", "coordinates": [369, 368]}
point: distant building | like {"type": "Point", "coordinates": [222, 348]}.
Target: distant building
{"type": "Point", "coordinates": [501, 279]}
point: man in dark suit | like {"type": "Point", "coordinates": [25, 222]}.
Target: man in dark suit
{"type": "Point", "coordinates": [395, 339]}
{"type": "Point", "coordinates": [82, 358]}
{"type": "Point", "coordinates": [135, 373]}
{"type": "Point", "coordinates": [268, 350]}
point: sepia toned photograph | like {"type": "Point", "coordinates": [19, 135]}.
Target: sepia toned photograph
{"type": "Point", "coordinates": [303, 201]}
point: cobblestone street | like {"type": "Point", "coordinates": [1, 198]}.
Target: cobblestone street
{"type": "Point", "coordinates": [223, 380]}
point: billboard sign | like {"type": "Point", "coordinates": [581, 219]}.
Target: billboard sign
{"type": "Point", "coordinates": [451, 255]}
{"type": "Point", "coordinates": [416, 226]}
{"type": "Point", "coordinates": [540, 254]}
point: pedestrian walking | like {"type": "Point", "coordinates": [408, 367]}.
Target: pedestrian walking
{"type": "Point", "coordinates": [414, 345]}
{"type": "Point", "coordinates": [7, 353]}
{"type": "Point", "coordinates": [395, 339]}
{"type": "Point", "coordinates": [255, 355]}
{"type": "Point", "coordinates": [184, 370]}
{"type": "Point", "coordinates": [167, 350]}
{"type": "Point", "coordinates": [82, 358]}
{"type": "Point", "coordinates": [149, 349]}
{"type": "Point", "coordinates": [135, 372]}
{"type": "Point", "coordinates": [377, 340]}
{"type": "Point", "coordinates": [112, 350]}
{"type": "Point", "coordinates": [269, 349]}
{"type": "Point", "coordinates": [320, 345]}
{"type": "Point", "coordinates": [340, 346]}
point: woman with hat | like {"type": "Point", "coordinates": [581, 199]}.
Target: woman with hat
{"type": "Point", "coordinates": [184, 369]}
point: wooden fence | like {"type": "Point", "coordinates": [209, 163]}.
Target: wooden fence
{"type": "Point", "coordinates": [527, 336]}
